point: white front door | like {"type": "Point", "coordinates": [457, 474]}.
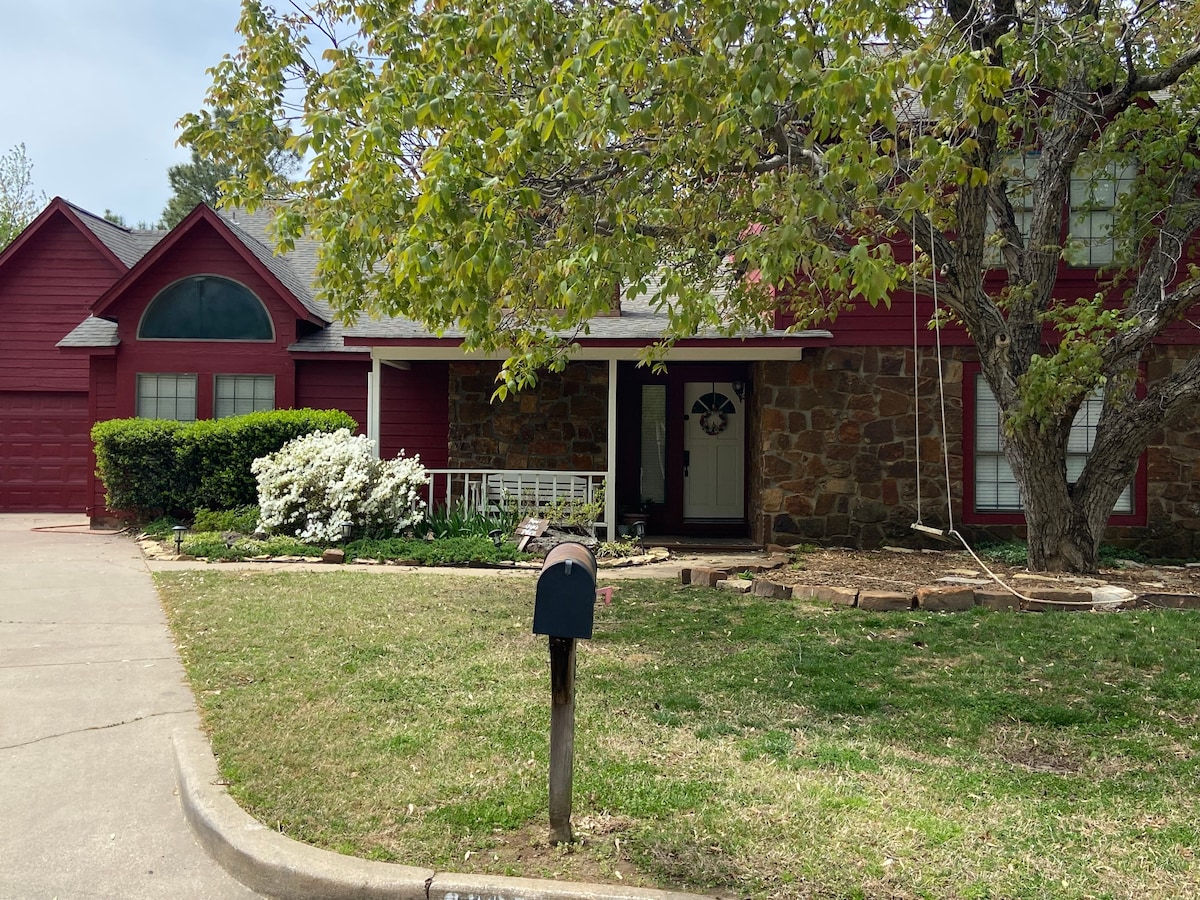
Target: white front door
{"type": "Point", "coordinates": [714, 451]}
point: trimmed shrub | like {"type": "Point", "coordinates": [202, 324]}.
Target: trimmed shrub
{"type": "Point", "coordinates": [154, 467]}
{"type": "Point", "coordinates": [315, 483]}
{"type": "Point", "coordinates": [138, 463]}
{"type": "Point", "coordinates": [221, 451]}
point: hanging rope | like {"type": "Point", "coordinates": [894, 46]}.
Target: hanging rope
{"type": "Point", "coordinates": [916, 386]}
{"type": "Point", "coordinates": [937, 331]}
{"type": "Point", "coordinates": [950, 531]}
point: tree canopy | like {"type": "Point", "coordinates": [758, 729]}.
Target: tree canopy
{"type": "Point", "coordinates": [199, 180]}
{"type": "Point", "coordinates": [502, 166]}
{"type": "Point", "coordinates": [19, 201]}
{"type": "Point", "coordinates": [192, 183]}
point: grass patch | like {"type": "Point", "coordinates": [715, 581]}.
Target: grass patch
{"type": "Point", "coordinates": [759, 748]}
{"type": "Point", "coordinates": [450, 551]}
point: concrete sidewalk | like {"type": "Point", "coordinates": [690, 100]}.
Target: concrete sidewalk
{"type": "Point", "coordinates": [91, 690]}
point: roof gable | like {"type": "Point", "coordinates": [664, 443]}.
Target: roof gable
{"type": "Point", "coordinates": [121, 247]}
{"type": "Point", "coordinates": [273, 269]}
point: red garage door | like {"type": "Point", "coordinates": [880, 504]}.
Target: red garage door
{"type": "Point", "coordinates": [44, 451]}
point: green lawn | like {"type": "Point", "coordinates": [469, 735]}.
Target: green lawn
{"type": "Point", "coordinates": [772, 749]}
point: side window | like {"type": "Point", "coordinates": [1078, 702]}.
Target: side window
{"type": "Point", "coordinates": [1093, 199]}
{"type": "Point", "coordinates": [1094, 196]}
{"type": "Point", "coordinates": [235, 395]}
{"type": "Point", "coordinates": [167, 397]}
{"type": "Point", "coordinates": [995, 487]}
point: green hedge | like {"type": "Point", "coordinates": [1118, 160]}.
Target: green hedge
{"type": "Point", "coordinates": [153, 467]}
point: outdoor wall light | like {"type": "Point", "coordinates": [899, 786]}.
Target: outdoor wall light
{"type": "Point", "coordinates": [180, 531]}
{"type": "Point", "coordinates": [739, 388]}
{"type": "Point", "coordinates": [347, 529]}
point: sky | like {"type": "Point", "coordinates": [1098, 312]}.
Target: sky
{"type": "Point", "coordinates": [93, 89]}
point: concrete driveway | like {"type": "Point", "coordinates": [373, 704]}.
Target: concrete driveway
{"type": "Point", "coordinates": [90, 690]}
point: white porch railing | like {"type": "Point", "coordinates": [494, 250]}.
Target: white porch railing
{"type": "Point", "coordinates": [481, 490]}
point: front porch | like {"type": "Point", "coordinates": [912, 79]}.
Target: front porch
{"type": "Point", "coordinates": [674, 450]}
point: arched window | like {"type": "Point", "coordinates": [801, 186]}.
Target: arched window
{"type": "Point", "coordinates": [206, 308]}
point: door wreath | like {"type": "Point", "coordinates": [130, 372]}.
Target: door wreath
{"type": "Point", "coordinates": [714, 410]}
{"type": "Point", "coordinates": [713, 421]}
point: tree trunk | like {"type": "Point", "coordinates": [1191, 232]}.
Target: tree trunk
{"type": "Point", "coordinates": [1060, 538]}
{"type": "Point", "coordinates": [1062, 541]}
{"type": "Point", "coordinates": [1066, 522]}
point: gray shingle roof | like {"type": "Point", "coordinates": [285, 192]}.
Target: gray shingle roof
{"type": "Point", "coordinates": [92, 332]}
{"type": "Point", "coordinates": [328, 340]}
{"type": "Point", "coordinates": [296, 270]}
{"type": "Point", "coordinates": [127, 244]}
{"type": "Point", "coordinates": [640, 320]}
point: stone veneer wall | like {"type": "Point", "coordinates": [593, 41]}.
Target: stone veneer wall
{"type": "Point", "coordinates": [560, 424]}
{"type": "Point", "coordinates": [835, 458]}
{"type": "Point", "coordinates": [1173, 478]}
{"type": "Point", "coordinates": [835, 461]}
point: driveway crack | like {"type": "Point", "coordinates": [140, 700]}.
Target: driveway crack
{"type": "Point", "coordinates": [50, 737]}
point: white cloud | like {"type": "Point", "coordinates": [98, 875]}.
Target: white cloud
{"type": "Point", "coordinates": [93, 88]}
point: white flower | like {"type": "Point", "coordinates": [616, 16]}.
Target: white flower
{"type": "Point", "coordinates": [315, 483]}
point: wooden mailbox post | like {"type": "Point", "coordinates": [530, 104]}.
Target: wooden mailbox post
{"type": "Point", "coordinates": [563, 610]}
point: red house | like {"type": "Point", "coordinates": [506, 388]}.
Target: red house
{"type": "Point", "coordinates": [781, 437]}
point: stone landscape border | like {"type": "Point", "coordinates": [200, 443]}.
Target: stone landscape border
{"type": "Point", "coordinates": [937, 597]}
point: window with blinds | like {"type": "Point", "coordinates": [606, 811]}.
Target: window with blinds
{"type": "Point", "coordinates": [162, 396]}
{"type": "Point", "coordinates": [236, 395]}
{"type": "Point", "coordinates": [654, 443]}
{"type": "Point", "coordinates": [995, 487]}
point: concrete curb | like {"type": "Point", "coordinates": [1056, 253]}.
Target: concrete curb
{"type": "Point", "coordinates": [276, 866]}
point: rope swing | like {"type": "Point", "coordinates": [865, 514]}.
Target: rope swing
{"type": "Point", "coordinates": [948, 533]}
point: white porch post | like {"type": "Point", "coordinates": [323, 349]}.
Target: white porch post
{"type": "Point", "coordinates": [610, 489]}
{"type": "Point", "coordinates": [374, 388]}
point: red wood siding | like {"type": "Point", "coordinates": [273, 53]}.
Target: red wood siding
{"type": "Point", "coordinates": [415, 413]}
{"type": "Point", "coordinates": [892, 326]}
{"type": "Point", "coordinates": [415, 407]}
{"type": "Point", "coordinates": [322, 384]}
{"type": "Point", "coordinates": [45, 291]}
{"type": "Point", "coordinates": [204, 251]}
{"type": "Point", "coordinates": [102, 407]}
{"type": "Point", "coordinates": [44, 451]}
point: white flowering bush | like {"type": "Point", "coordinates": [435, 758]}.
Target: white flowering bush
{"type": "Point", "coordinates": [315, 483]}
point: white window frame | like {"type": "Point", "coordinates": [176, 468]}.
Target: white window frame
{"type": "Point", "coordinates": [236, 395]}
{"type": "Point", "coordinates": [996, 489]}
{"type": "Point", "coordinates": [1094, 197]}
{"type": "Point", "coordinates": [166, 395]}
{"type": "Point", "coordinates": [1092, 200]}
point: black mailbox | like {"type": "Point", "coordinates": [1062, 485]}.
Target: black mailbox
{"type": "Point", "coordinates": [566, 593]}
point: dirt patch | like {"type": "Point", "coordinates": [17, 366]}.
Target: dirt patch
{"type": "Point", "coordinates": [906, 571]}
{"type": "Point", "coordinates": [599, 855]}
